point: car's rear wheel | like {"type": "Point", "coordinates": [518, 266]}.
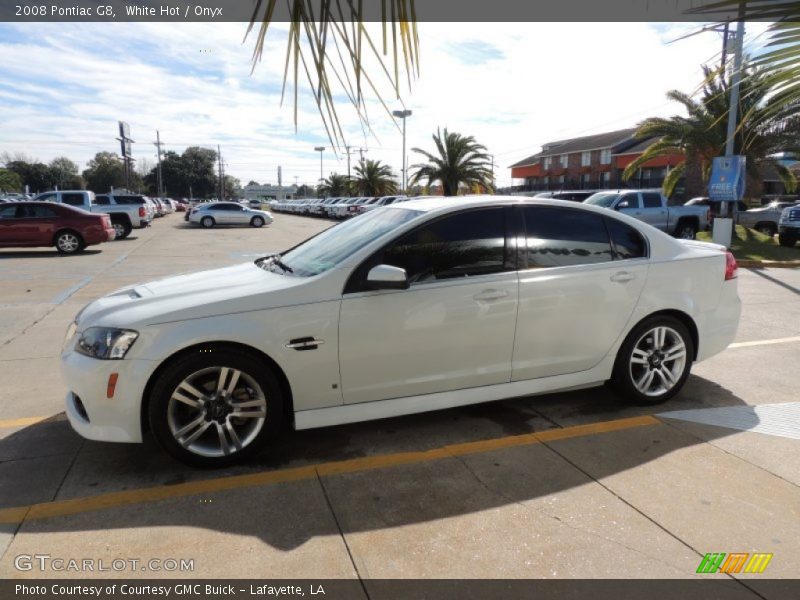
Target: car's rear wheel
{"type": "Point", "coordinates": [69, 242]}
{"type": "Point", "coordinates": [257, 221]}
{"type": "Point", "coordinates": [122, 230]}
{"type": "Point", "coordinates": [215, 408]}
{"type": "Point", "coordinates": [686, 230]}
{"type": "Point", "coordinates": [654, 361]}
{"type": "Point", "coordinates": [207, 222]}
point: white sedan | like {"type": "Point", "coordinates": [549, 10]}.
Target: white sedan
{"type": "Point", "coordinates": [228, 213]}
{"type": "Point", "coordinates": [430, 304]}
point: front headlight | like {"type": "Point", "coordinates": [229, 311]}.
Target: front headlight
{"type": "Point", "coordinates": [106, 343]}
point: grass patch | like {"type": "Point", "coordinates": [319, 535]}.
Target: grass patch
{"type": "Point", "coordinates": [751, 245]}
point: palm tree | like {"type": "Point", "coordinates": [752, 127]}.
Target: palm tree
{"type": "Point", "coordinates": [374, 179]}
{"type": "Point", "coordinates": [460, 161]}
{"type": "Point", "coordinates": [764, 131]}
{"type": "Point", "coordinates": [780, 62]}
{"type": "Point", "coordinates": [335, 185]}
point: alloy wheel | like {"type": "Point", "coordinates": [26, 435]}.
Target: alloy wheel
{"type": "Point", "coordinates": [68, 242]}
{"type": "Point", "coordinates": [657, 361]}
{"type": "Point", "coordinates": [217, 411]}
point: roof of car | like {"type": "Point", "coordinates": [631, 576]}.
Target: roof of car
{"type": "Point", "coordinates": [444, 204]}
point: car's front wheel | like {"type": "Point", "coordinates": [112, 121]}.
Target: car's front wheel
{"type": "Point", "coordinates": [686, 230]}
{"type": "Point", "coordinates": [786, 240]}
{"type": "Point", "coordinates": [257, 222]}
{"type": "Point", "coordinates": [654, 361]}
{"type": "Point", "coordinates": [215, 407]}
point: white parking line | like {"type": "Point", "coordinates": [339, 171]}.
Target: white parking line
{"type": "Point", "coordinates": [785, 340]}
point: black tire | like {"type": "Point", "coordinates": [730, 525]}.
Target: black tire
{"type": "Point", "coordinates": [68, 242]}
{"type": "Point", "coordinates": [207, 222]}
{"type": "Point", "coordinates": [257, 221]}
{"type": "Point", "coordinates": [787, 241]}
{"type": "Point", "coordinates": [123, 230]}
{"type": "Point", "coordinates": [626, 373]}
{"type": "Point", "coordinates": [161, 414]}
{"type": "Point", "coordinates": [686, 230]}
{"type": "Point", "coordinates": [766, 228]}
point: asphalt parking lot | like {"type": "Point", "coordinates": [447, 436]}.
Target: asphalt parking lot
{"type": "Point", "coordinates": [565, 485]}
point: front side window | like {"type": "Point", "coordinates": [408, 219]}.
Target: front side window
{"type": "Point", "coordinates": [102, 201]}
{"type": "Point", "coordinates": [651, 200]}
{"type": "Point", "coordinates": [604, 199]}
{"type": "Point", "coordinates": [51, 197]}
{"type": "Point", "coordinates": [562, 237]}
{"type": "Point", "coordinates": [467, 244]}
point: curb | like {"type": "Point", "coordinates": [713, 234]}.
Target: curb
{"type": "Point", "coordinates": [771, 264]}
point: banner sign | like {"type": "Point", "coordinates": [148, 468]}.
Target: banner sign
{"type": "Point", "coordinates": [727, 179]}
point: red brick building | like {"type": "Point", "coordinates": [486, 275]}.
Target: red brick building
{"type": "Point", "coordinates": [591, 162]}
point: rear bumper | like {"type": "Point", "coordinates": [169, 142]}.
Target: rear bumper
{"type": "Point", "coordinates": [722, 323]}
{"type": "Point", "coordinates": [97, 235]}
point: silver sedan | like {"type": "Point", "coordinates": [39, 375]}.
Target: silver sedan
{"type": "Point", "coordinates": [228, 213]}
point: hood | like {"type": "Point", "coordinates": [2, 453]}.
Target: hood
{"type": "Point", "coordinates": [239, 288]}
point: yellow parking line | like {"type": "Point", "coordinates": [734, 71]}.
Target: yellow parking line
{"type": "Point", "coordinates": [115, 499]}
{"type": "Point", "coordinates": [24, 421]}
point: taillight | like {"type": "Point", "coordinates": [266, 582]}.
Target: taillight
{"type": "Point", "coordinates": [731, 268]}
{"type": "Point", "coordinates": [142, 211]}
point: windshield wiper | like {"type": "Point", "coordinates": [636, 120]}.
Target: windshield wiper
{"type": "Point", "coordinates": [275, 259]}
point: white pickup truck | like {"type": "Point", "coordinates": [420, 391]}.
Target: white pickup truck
{"type": "Point", "coordinates": [652, 207]}
{"type": "Point", "coordinates": [127, 211]}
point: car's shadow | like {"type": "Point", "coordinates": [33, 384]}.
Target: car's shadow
{"type": "Point", "coordinates": [287, 515]}
{"type": "Point", "coordinates": [45, 253]}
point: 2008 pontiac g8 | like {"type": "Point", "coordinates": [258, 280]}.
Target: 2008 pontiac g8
{"type": "Point", "coordinates": [430, 304]}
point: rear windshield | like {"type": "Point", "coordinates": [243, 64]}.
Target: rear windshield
{"type": "Point", "coordinates": [603, 199]}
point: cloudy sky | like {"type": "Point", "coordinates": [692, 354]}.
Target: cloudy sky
{"type": "Point", "coordinates": [63, 87]}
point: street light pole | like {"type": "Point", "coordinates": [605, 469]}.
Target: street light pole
{"type": "Point", "coordinates": [402, 114]}
{"type": "Point", "coordinates": [320, 149]}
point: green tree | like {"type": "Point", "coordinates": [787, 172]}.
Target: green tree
{"type": "Point", "coordinates": [335, 185]}
{"type": "Point", "coordinates": [35, 175]}
{"type": "Point", "coordinates": [374, 179]}
{"type": "Point", "coordinates": [104, 171]}
{"type": "Point", "coordinates": [460, 161]}
{"type": "Point", "coordinates": [63, 172]}
{"type": "Point", "coordinates": [10, 181]}
{"type": "Point", "coordinates": [193, 169]}
{"type": "Point", "coordinates": [233, 187]}
{"type": "Point", "coordinates": [763, 131]}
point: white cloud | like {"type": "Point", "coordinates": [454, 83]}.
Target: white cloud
{"type": "Point", "coordinates": [513, 86]}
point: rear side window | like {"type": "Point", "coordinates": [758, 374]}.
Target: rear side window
{"type": "Point", "coordinates": [467, 244]}
{"type": "Point", "coordinates": [129, 200]}
{"type": "Point", "coordinates": [40, 212]}
{"type": "Point", "coordinates": [627, 242]}
{"type": "Point", "coordinates": [560, 237]}
{"type": "Point", "coordinates": [73, 199]}
{"type": "Point", "coordinates": [651, 200]}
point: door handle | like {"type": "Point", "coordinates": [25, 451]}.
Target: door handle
{"type": "Point", "coordinates": [622, 277]}
{"type": "Point", "coordinates": [490, 295]}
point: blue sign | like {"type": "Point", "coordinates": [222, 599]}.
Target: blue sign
{"type": "Point", "coordinates": [727, 179]}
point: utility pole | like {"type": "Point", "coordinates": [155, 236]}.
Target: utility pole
{"type": "Point", "coordinates": [160, 182]}
{"type": "Point", "coordinates": [320, 149]}
{"type": "Point", "coordinates": [733, 110]}
{"type": "Point", "coordinates": [724, 51]}
{"type": "Point", "coordinates": [221, 174]}
{"type": "Point", "coordinates": [349, 151]}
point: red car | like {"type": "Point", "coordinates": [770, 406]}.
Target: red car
{"type": "Point", "coordinates": [67, 228]}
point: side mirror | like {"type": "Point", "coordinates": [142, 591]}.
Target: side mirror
{"type": "Point", "coordinates": [387, 277]}
{"type": "Point", "coordinates": [623, 204]}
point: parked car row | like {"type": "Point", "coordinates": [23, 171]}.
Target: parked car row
{"type": "Point", "coordinates": [336, 207]}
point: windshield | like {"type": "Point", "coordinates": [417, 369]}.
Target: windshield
{"type": "Point", "coordinates": [328, 249]}
{"type": "Point", "coordinates": [603, 199]}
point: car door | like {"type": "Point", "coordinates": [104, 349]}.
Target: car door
{"type": "Point", "coordinates": [453, 328]}
{"type": "Point", "coordinates": [237, 214]}
{"type": "Point", "coordinates": [42, 222]}
{"type": "Point", "coordinates": [654, 210]}
{"type": "Point", "coordinates": [9, 236]}
{"type": "Point", "coordinates": [629, 204]}
{"type": "Point", "coordinates": [582, 276]}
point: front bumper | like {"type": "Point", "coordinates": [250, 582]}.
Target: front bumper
{"type": "Point", "coordinates": [90, 412]}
